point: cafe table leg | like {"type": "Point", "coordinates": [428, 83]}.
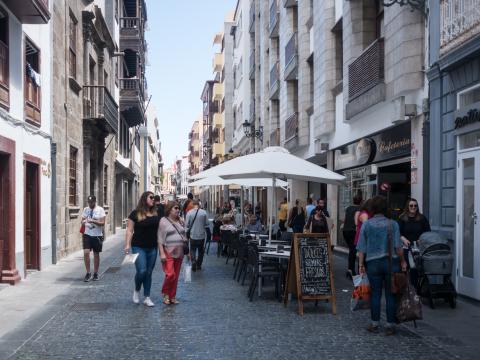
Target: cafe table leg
{"type": "Point", "coordinates": [260, 278]}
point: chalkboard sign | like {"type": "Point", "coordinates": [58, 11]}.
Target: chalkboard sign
{"type": "Point", "coordinates": [310, 274]}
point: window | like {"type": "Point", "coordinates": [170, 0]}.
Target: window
{"type": "Point", "coordinates": [468, 96]}
{"type": "Point", "coordinates": [4, 68]}
{"type": "Point", "coordinates": [32, 92]}
{"type": "Point", "coordinates": [72, 177]}
{"type": "Point", "coordinates": [105, 184]}
{"type": "Point", "coordinates": [72, 57]}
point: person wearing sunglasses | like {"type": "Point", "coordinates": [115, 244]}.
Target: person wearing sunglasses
{"type": "Point", "coordinates": [171, 239]}
{"type": "Point", "coordinates": [141, 239]}
{"type": "Point", "coordinates": [412, 224]}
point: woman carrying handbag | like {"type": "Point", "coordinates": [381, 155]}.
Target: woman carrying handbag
{"type": "Point", "coordinates": [173, 245]}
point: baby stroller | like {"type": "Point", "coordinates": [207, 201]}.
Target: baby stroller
{"type": "Point", "coordinates": [434, 261]}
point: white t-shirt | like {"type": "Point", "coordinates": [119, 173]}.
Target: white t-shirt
{"type": "Point", "coordinates": [96, 214]}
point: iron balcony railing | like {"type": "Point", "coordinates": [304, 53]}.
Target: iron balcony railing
{"type": "Point", "coordinates": [291, 49]}
{"type": "Point", "coordinates": [99, 104]}
{"type": "Point", "coordinates": [459, 22]}
{"type": "Point", "coordinates": [291, 127]}
{"type": "Point", "coordinates": [251, 26]}
{"type": "Point", "coordinates": [274, 75]}
{"type": "Point", "coordinates": [367, 71]}
{"type": "Point", "coordinates": [274, 18]}
{"type": "Point", "coordinates": [252, 65]}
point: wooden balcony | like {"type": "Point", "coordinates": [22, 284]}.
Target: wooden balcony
{"type": "Point", "coordinates": [459, 22]}
{"type": "Point", "coordinates": [132, 34]}
{"type": "Point", "coordinates": [367, 71]}
{"type": "Point", "coordinates": [29, 11]}
{"type": "Point", "coordinates": [132, 101]}
{"type": "Point", "coordinates": [100, 108]}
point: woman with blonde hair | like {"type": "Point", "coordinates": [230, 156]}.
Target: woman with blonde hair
{"type": "Point", "coordinates": [296, 219]}
{"type": "Point", "coordinates": [141, 239]}
{"type": "Point", "coordinates": [171, 243]}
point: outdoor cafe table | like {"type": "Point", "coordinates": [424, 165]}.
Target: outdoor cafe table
{"type": "Point", "coordinates": [285, 255]}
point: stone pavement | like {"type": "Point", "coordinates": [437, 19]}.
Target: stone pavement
{"type": "Point", "coordinates": [54, 315]}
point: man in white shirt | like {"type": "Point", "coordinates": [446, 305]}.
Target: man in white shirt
{"type": "Point", "coordinates": [93, 217]}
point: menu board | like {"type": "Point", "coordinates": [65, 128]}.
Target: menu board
{"type": "Point", "coordinates": [309, 274]}
{"type": "Point", "coordinates": [314, 266]}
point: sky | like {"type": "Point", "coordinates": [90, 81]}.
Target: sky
{"type": "Point", "coordinates": [180, 52]}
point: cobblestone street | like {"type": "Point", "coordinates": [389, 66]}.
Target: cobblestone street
{"type": "Point", "coordinates": [215, 320]}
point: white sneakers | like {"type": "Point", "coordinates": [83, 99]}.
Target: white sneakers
{"type": "Point", "coordinates": [136, 297]}
{"type": "Point", "coordinates": [148, 302]}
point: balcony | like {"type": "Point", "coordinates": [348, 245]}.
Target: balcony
{"type": "Point", "coordinates": [218, 91]}
{"type": "Point", "coordinates": [29, 11]}
{"type": "Point", "coordinates": [251, 74]}
{"type": "Point", "coordinates": [100, 108]}
{"type": "Point", "coordinates": [459, 22]}
{"type": "Point", "coordinates": [218, 121]}
{"type": "Point", "coordinates": [274, 19]}
{"type": "Point", "coordinates": [218, 62]}
{"type": "Point", "coordinates": [274, 81]}
{"type": "Point", "coordinates": [290, 3]}
{"type": "Point", "coordinates": [218, 150]}
{"type": "Point", "coordinates": [291, 58]}
{"type": "Point", "coordinates": [275, 137]}
{"type": "Point", "coordinates": [367, 71]}
{"type": "Point", "coordinates": [131, 33]}
{"type": "Point", "coordinates": [291, 127]}
{"type": "Point", "coordinates": [132, 101]}
{"type": "Point", "coordinates": [251, 25]}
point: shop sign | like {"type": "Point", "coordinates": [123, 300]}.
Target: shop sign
{"type": "Point", "coordinates": [390, 144]}
{"type": "Point", "coordinates": [462, 119]}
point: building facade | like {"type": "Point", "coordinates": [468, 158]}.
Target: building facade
{"type": "Point", "coordinates": [453, 154]}
{"type": "Point", "coordinates": [25, 138]}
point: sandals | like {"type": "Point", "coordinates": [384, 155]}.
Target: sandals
{"type": "Point", "coordinates": [166, 300]}
{"type": "Point", "coordinates": [174, 301]}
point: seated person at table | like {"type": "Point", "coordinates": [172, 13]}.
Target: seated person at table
{"type": "Point", "coordinates": [254, 225]}
{"type": "Point", "coordinates": [227, 224]}
{"type": "Point", "coordinates": [276, 231]}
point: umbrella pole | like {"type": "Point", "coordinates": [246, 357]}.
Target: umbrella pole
{"type": "Point", "coordinates": [241, 209]}
{"type": "Point", "coordinates": [271, 211]}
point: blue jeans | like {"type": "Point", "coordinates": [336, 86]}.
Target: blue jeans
{"type": "Point", "coordinates": [379, 275]}
{"type": "Point", "coordinates": [144, 265]}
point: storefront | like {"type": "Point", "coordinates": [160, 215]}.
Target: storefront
{"type": "Point", "coordinates": [379, 164]}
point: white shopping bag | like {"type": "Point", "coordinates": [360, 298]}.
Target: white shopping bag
{"type": "Point", "coordinates": [187, 272]}
{"type": "Point", "coordinates": [129, 259]}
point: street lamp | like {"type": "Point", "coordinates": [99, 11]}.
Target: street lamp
{"type": "Point", "coordinates": [250, 131]}
{"type": "Point", "coordinates": [414, 4]}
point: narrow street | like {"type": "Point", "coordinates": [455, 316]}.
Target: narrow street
{"type": "Point", "coordinates": [215, 320]}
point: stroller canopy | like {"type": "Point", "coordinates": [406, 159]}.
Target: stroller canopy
{"type": "Point", "coordinates": [431, 239]}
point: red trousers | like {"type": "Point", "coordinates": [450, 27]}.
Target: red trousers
{"type": "Point", "coordinates": [171, 268]}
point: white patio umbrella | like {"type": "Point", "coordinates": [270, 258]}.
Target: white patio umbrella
{"type": "Point", "coordinates": [274, 162]}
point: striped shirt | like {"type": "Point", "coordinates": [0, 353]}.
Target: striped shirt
{"type": "Point", "coordinates": [171, 235]}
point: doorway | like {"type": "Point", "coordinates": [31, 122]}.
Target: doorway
{"type": "Point", "coordinates": [468, 224]}
{"type": "Point", "coordinates": [4, 204]}
{"type": "Point", "coordinates": [32, 216]}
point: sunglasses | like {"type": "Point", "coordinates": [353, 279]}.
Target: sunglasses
{"type": "Point", "coordinates": [151, 197]}
{"type": "Point", "coordinates": [413, 205]}
{"type": "Point", "coordinates": [176, 208]}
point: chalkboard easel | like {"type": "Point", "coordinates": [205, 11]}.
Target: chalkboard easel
{"type": "Point", "coordinates": [310, 270]}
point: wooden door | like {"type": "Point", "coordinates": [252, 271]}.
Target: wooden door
{"type": "Point", "coordinates": [32, 216]}
{"type": "Point", "coordinates": [4, 193]}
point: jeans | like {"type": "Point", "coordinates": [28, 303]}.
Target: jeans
{"type": "Point", "coordinates": [144, 266]}
{"type": "Point", "coordinates": [171, 268]}
{"type": "Point", "coordinates": [379, 275]}
{"type": "Point", "coordinates": [197, 246]}
{"type": "Point", "coordinates": [281, 225]}
{"type": "Point", "coordinates": [349, 237]}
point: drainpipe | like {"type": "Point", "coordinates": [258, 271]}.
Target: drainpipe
{"type": "Point", "coordinates": [53, 207]}
{"type": "Point", "coordinates": [143, 131]}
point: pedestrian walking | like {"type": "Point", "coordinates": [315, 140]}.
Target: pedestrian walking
{"type": "Point", "coordinates": [361, 216]}
{"type": "Point", "coordinates": [159, 207]}
{"type": "Point", "coordinates": [310, 207]}
{"type": "Point", "coordinates": [197, 229]}
{"type": "Point", "coordinates": [93, 218]}
{"type": "Point", "coordinates": [296, 219]}
{"type": "Point", "coordinates": [141, 239]}
{"type": "Point", "coordinates": [321, 205]}
{"type": "Point", "coordinates": [317, 222]}
{"type": "Point", "coordinates": [283, 214]}
{"type": "Point", "coordinates": [349, 231]}
{"type": "Point", "coordinates": [412, 224]}
{"type": "Point", "coordinates": [380, 250]}
{"type": "Point", "coordinates": [171, 240]}
{"type": "Point", "coordinates": [258, 211]}
{"type": "Point", "coordinates": [188, 205]}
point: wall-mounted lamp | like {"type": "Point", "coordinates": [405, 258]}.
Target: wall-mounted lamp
{"type": "Point", "coordinates": [250, 131]}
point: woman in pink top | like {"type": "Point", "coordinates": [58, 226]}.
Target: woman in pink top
{"type": "Point", "coordinates": [361, 216]}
